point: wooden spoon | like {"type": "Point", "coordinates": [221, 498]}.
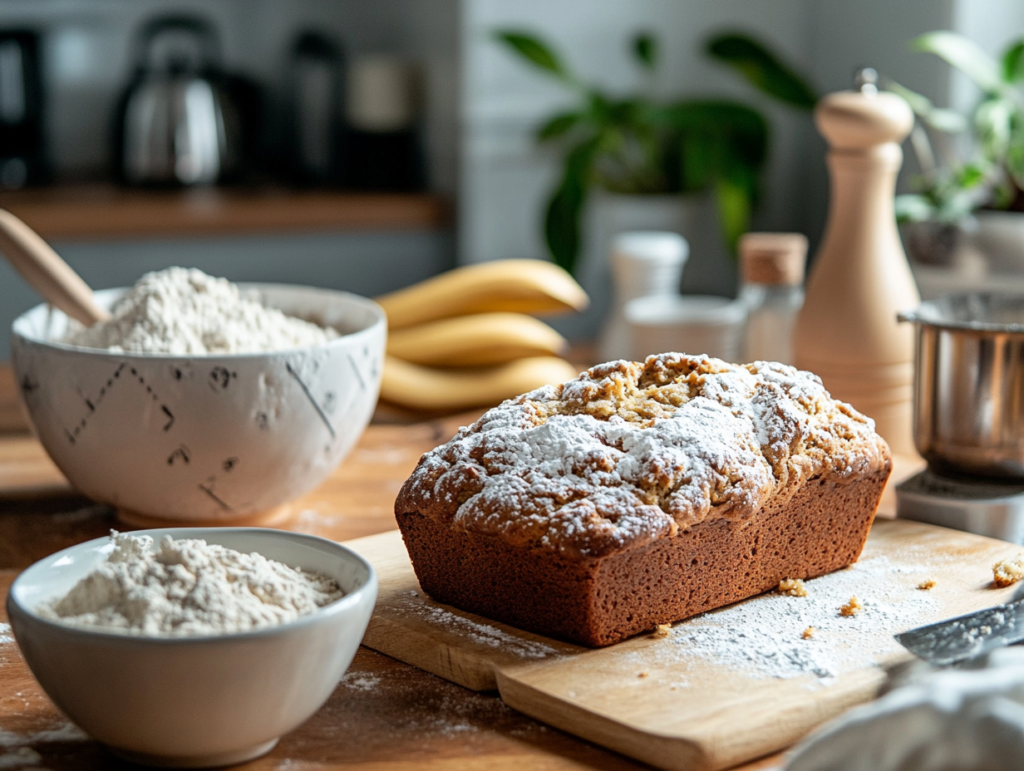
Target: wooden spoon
{"type": "Point", "coordinates": [48, 274]}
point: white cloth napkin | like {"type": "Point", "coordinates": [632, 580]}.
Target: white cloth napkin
{"type": "Point", "coordinates": [948, 720]}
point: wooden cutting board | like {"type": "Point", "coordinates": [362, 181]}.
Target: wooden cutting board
{"type": "Point", "coordinates": [655, 700]}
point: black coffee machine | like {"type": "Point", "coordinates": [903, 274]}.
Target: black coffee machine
{"type": "Point", "coordinates": [22, 151]}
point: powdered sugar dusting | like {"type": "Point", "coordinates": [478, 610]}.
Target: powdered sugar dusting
{"type": "Point", "coordinates": [184, 311]}
{"type": "Point", "coordinates": [629, 452]}
{"type": "Point", "coordinates": [764, 636]}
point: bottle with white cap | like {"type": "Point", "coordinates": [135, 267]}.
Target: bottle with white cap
{"type": "Point", "coordinates": [644, 264]}
{"type": "Point", "coordinates": [773, 275]}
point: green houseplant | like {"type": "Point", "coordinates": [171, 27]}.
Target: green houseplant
{"type": "Point", "coordinates": [953, 185]}
{"type": "Point", "coordinates": [637, 144]}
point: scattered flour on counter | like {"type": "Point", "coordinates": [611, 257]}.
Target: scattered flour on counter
{"type": "Point", "coordinates": [183, 311]}
{"type": "Point", "coordinates": [65, 732]}
{"type": "Point", "coordinates": [186, 587]}
{"type": "Point", "coordinates": [20, 757]}
{"type": "Point", "coordinates": [16, 749]}
{"type": "Point", "coordinates": [763, 636]}
{"type": "Point", "coordinates": [433, 711]}
{"type": "Point", "coordinates": [5, 634]}
{"type": "Point", "coordinates": [360, 681]}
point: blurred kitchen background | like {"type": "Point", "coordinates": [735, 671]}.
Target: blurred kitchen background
{"type": "Point", "coordinates": [374, 144]}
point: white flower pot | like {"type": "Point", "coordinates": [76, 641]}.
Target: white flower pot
{"type": "Point", "coordinates": [1000, 238]}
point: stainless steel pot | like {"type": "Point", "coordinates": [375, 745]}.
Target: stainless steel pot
{"type": "Point", "coordinates": [969, 384]}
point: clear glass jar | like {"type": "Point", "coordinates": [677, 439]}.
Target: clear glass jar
{"type": "Point", "coordinates": [771, 319]}
{"type": "Point", "coordinates": [772, 291]}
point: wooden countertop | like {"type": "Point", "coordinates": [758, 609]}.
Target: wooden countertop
{"type": "Point", "coordinates": [84, 212]}
{"type": "Point", "coordinates": [384, 716]}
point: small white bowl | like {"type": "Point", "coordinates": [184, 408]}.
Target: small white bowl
{"type": "Point", "coordinates": [194, 701]}
{"type": "Point", "coordinates": [203, 438]}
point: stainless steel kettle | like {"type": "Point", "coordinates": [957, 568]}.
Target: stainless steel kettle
{"type": "Point", "coordinates": [178, 126]}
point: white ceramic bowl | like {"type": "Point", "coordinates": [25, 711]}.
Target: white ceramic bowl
{"type": "Point", "coordinates": [203, 438]}
{"type": "Point", "coordinates": [196, 701]}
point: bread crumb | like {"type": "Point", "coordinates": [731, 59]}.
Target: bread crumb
{"type": "Point", "coordinates": [924, 586]}
{"type": "Point", "coordinates": [1008, 571]}
{"type": "Point", "coordinates": [662, 630]}
{"type": "Point", "coordinates": [852, 608]}
{"type": "Point", "coordinates": [794, 587]}
{"type": "Point", "coordinates": [643, 674]}
{"type": "Point", "coordinates": [809, 633]}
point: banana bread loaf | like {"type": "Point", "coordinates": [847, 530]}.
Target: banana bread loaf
{"type": "Point", "coordinates": [642, 493]}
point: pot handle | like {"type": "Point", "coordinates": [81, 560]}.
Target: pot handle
{"type": "Point", "coordinates": [202, 29]}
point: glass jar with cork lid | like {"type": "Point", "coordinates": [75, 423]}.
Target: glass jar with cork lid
{"type": "Point", "coordinates": [772, 266]}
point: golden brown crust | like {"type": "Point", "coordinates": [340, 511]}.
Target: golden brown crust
{"type": "Point", "coordinates": [629, 453]}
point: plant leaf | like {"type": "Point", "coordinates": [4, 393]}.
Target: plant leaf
{"type": "Point", "coordinates": [565, 207]}
{"type": "Point", "coordinates": [938, 118]}
{"type": "Point", "coordinates": [744, 130]}
{"type": "Point", "coordinates": [993, 120]}
{"type": "Point", "coordinates": [1013, 63]}
{"type": "Point", "coordinates": [734, 207]}
{"type": "Point", "coordinates": [562, 226]}
{"type": "Point", "coordinates": [698, 157]}
{"type": "Point", "coordinates": [645, 48]}
{"type": "Point", "coordinates": [762, 68]}
{"type": "Point", "coordinates": [558, 126]}
{"type": "Point", "coordinates": [964, 54]}
{"type": "Point", "coordinates": [949, 121]}
{"type": "Point", "coordinates": [533, 50]}
{"type": "Point", "coordinates": [736, 193]}
{"type": "Point", "coordinates": [912, 207]}
{"type": "Point", "coordinates": [970, 176]}
{"type": "Point", "coordinates": [1015, 155]}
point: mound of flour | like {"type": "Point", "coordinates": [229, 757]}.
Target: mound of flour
{"type": "Point", "coordinates": [183, 311]}
{"type": "Point", "coordinates": [181, 588]}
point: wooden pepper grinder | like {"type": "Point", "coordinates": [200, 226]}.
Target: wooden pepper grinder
{"type": "Point", "coordinates": [847, 332]}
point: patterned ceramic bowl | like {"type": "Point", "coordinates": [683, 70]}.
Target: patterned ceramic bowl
{"type": "Point", "coordinates": [194, 701]}
{"type": "Point", "coordinates": [213, 438]}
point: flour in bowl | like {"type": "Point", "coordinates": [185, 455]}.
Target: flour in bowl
{"type": "Point", "coordinates": [183, 311]}
{"type": "Point", "coordinates": [186, 587]}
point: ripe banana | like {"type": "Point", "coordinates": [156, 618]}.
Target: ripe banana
{"type": "Point", "coordinates": [427, 388]}
{"type": "Point", "coordinates": [523, 286]}
{"type": "Point", "coordinates": [473, 341]}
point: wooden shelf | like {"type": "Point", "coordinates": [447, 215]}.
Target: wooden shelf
{"type": "Point", "coordinates": [94, 212]}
